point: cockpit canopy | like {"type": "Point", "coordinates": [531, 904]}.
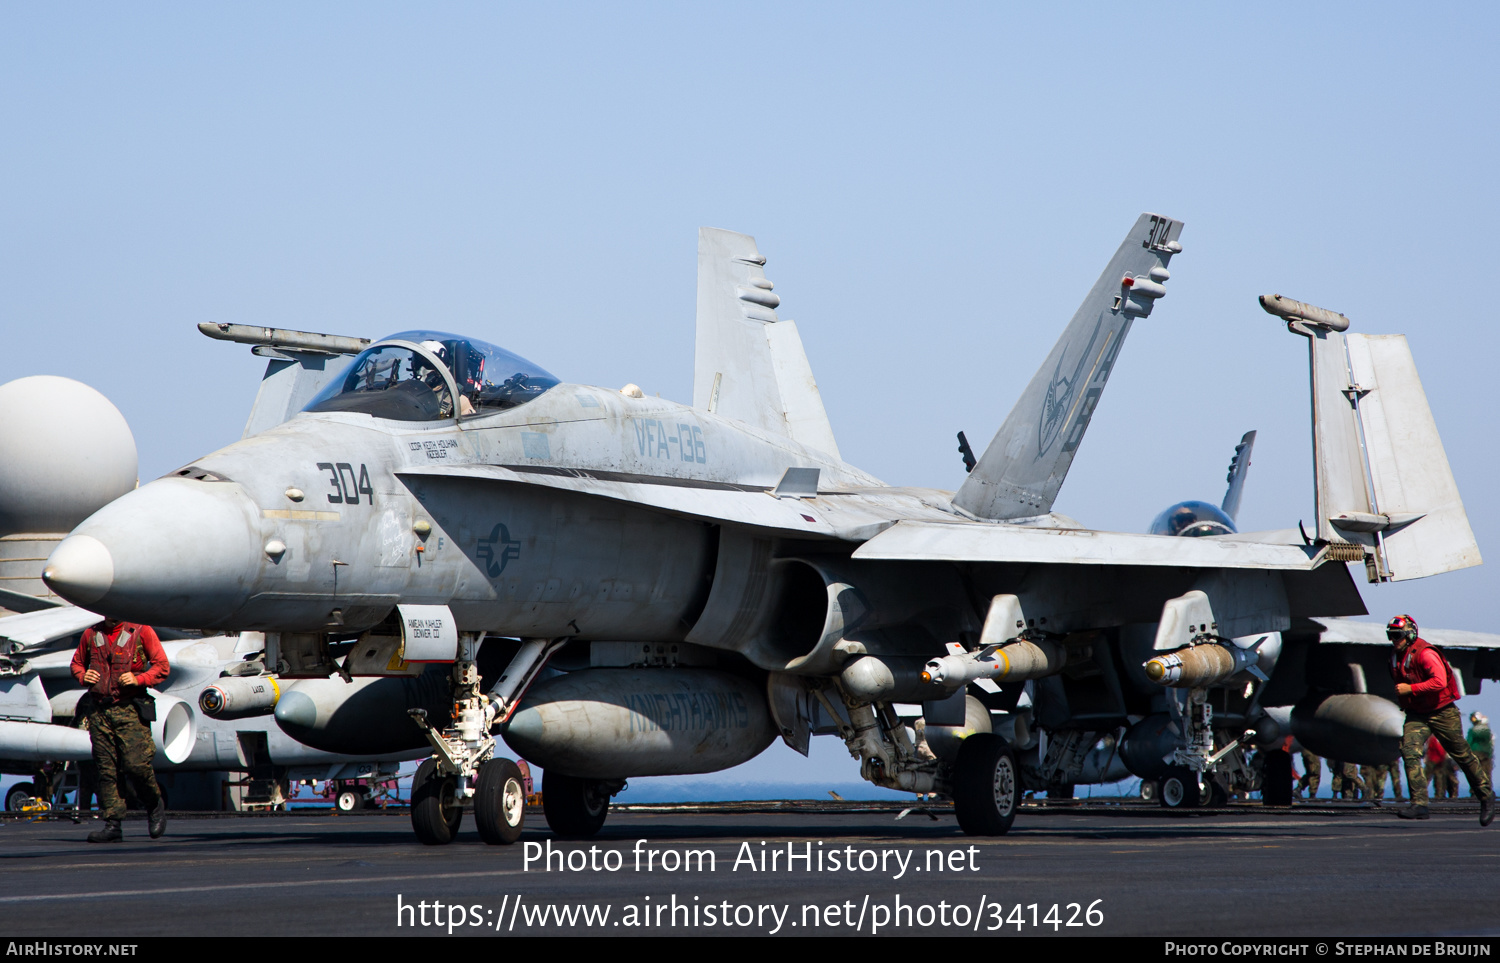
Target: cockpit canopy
{"type": "Point", "coordinates": [1193, 519]}
{"type": "Point", "coordinates": [393, 381]}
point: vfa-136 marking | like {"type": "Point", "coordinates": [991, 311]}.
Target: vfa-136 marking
{"type": "Point", "coordinates": [772, 575]}
{"type": "Point", "coordinates": [679, 442]}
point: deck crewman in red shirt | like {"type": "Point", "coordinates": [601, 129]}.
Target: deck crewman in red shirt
{"type": "Point", "coordinates": [117, 661]}
{"type": "Point", "coordinates": [1428, 691]}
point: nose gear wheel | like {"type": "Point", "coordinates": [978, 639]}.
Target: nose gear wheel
{"type": "Point", "coordinates": [500, 802]}
{"type": "Point", "coordinates": [435, 811]}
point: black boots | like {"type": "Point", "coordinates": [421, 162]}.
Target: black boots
{"type": "Point", "coordinates": [1487, 808]}
{"type": "Point", "coordinates": [158, 817]}
{"type": "Point", "coordinates": [109, 834]}
{"type": "Point", "coordinates": [1413, 812]}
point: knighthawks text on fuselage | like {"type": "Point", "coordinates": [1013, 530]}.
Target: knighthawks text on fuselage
{"type": "Point", "coordinates": [702, 578]}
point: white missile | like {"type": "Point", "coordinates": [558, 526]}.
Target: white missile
{"type": "Point", "coordinates": [231, 698]}
{"type": "Point", "coordinates": [1013, 662]}
{"type": "Point", "coordinates": [1002, 655]}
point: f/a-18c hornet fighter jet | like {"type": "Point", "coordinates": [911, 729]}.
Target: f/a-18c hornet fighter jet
{"type": "Point", "coordinates": [708, 576]}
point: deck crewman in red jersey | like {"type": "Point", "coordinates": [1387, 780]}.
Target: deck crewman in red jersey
{"type": "Point", "coordinates": [117, 661]}
{"type": "Point", "coordinates": [1428, 691]}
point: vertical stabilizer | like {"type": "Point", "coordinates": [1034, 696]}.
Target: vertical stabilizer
{"type": "Point", "coordinates": [291, 380]}
{"type": "Point", "coordinates": [1383, 490]}
{"type": "Point", "coordinates": [1239, 467]}
{"type": "Point", "coordinates": [1024, 467]}
{"type": "Point", "coordinates": [749, 365]}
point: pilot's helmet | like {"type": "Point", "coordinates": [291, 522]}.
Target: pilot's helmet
{"type": "Point", "coordinates": [438, 349]}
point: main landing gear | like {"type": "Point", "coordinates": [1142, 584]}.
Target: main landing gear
{"type": "Point", "coordinates": [986, 785]}
{"type": "Point", "coordinates": [575, 807]}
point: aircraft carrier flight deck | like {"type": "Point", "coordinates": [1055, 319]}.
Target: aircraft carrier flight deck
{"type": "Point", "coordinates": [824, 868]}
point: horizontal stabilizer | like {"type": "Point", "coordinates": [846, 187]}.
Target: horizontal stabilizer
{"type": "Point", "coordinates": [747, 364]}
{"type": "Point", "coordinates": [1354, 632]}
{"type": "Point", "coordinates": [1024, 467]}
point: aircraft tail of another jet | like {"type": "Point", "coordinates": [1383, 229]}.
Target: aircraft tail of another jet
{"type": "Point", "coordinates": [1239, 467]}
{"type": "Point", "coordinates": [749, 365]}
{"type": "Point", "coordinates": [1384, 492]}
{"type": "Point", "coordinates": [1023, 469]}
{"type": "Point", "coordinates": [300, 364]}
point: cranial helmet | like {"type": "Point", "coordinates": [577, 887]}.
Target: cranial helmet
{"type": "Point", "coordinates": [1401, 627]}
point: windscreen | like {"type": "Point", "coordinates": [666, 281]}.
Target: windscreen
{"type": "Point", "coordinates": [389, 381]}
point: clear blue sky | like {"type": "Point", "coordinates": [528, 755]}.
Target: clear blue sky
{"type": "Point", "coordinates": [935, 188]}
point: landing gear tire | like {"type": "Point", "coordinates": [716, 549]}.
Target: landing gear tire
{"type": "Point", "coordinates": [20, 795]}
{"type": "Point", "coordinates": [1218, 796]}
{"type": "Point", "coordinates": [500, 802]}
{"type": "Point", "coordinates": [435, 814]}
{"type": "Point", "coordinates": [1060, 792]}
{"type": "Point", "coordinates": [1150, 790]}
{"type": "Point", "coordinates": [986, 785]}
{"type": "Point", "coordinates": [349, 800]}
{"type": "Point", "coordinates": [575, 808]}
{"type": "Point", "coordinates": [1180, 789]}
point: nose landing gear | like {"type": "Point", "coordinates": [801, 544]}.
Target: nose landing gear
{"type": "Point", "coordinates": [464, 766]}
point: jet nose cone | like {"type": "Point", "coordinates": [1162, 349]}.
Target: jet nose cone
{"type": "Point", "coordinates": [80, 570]}
{"type": "Point", "coordinates": [296, 713]}
{"type": "Point", "coordinates": [175, 552]}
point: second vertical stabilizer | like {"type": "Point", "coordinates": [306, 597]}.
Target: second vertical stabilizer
{"type": "Point", "coordinates": [1239, 467]}
{"type": "Point", "coordinates": [748, 364]}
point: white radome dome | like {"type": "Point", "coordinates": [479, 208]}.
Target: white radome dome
{"type": "Point", "coordinates": [65, 453]}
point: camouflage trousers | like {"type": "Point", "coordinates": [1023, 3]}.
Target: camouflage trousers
{"type": "Point", "coordinates": [1375, 779]}
{"type": "Point", "coordinates": [1448, 726]}
{"type": "Point", "coordinates": [1346, 782]}
{"type": "Point", "coordinates": [1442, 778]}
{"type": "Point", "coordinates": [122, 750]}
{"type": "Point", "coordinates": [1312, 773]}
